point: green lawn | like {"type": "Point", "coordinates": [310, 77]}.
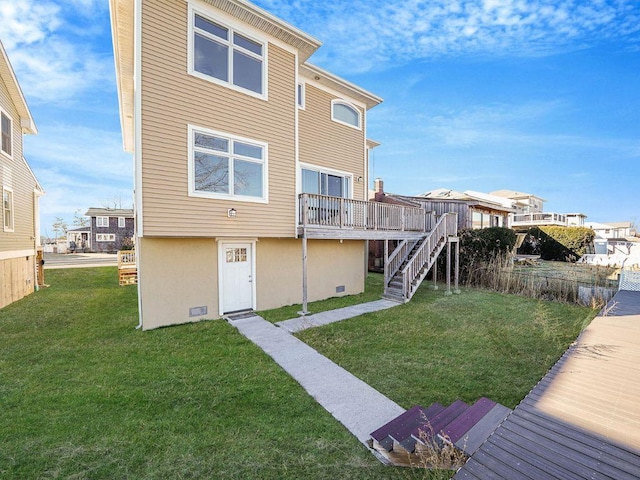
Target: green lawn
{"type": "Point", "coordinates": [85, 395]}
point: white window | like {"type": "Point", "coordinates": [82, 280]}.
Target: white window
{"type": "Point", "coordinates": [342, 112]}
{"type": "Point", "coordinates": [226, 166]}
{"type": "Point", "coordinates": [6, 134]}
{"type": "Point", "coordinates": [223, 55]}
{"type": "Point", "coordinates": [7, 209]}
{"type": "Point", "coordinates": [102, 222]}
{"type": "Point", "coordinates": [300, 95]}
{"type": "Point", "coordinates": [122, 222]}
{"type": "Point", "coordinates": [324, 182]}
{"type": "Point", "coordinates": [105, 237]}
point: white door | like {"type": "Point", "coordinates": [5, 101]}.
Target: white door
{"type": "Point", "coordinates": [237, 281]}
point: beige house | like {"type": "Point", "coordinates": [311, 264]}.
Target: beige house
{"type": "Point", "coordinates": [250, 163]}
{"type": "Point", "coordinates": [20, 231]}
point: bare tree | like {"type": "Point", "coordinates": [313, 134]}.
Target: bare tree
{"type": "Point", "coordinates": [60, 226]}
{"type": "Point", "coordinates": [79, 220]}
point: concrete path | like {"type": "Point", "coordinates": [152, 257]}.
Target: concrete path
{"type": "Point", "coordinates": [325, 318]}
{"type": "Point", "coordinates": [359, 407]}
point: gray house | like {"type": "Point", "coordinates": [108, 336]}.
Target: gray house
{"type": "Point", "coordinates": [111, 228]}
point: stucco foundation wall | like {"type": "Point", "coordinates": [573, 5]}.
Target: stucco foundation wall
{"type": "Point", "coordinates": [16, 278]}
{"type": "Point", "coordinates": [175, 275]}
{"type": "Point", "coordinates": [330, 264]}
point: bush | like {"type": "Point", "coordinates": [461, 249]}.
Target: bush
{"type": "Point", "coordinates": [565, 244]}
{"type": "Point", "coordinates": [480, 246]}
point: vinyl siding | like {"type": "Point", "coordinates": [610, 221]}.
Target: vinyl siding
{"type": "Point", "coordinates": [17, 254]}
{"type": "Point", "coordinates": [172, 99]}
{"type": "Point", "coordinates": [329, 144]}
{"type": "Point", "coordinates": [15, 174]}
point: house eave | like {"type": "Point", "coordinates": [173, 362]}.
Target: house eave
{"type": "Point", "coordinates": [8, 76]}
{"type": "Point", "coordinates": [340, 85]}
{"type": "Point", "coordinates": [122, 32]}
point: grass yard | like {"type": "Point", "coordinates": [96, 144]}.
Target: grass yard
{"type": "Point", "coordinates": [441, 348]}
{"type": "Point", "coordinates": [85, 395]}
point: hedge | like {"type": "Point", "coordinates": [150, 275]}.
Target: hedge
{"type": "Point", "coordinates": [566, 244]}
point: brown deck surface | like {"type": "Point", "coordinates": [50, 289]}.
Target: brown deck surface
{"type": "Point", "coordinates": [583, 419]}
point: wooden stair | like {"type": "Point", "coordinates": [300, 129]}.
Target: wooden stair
{"type": "Point", "coordinates": [414, 262]}
{"type": "Point", "coordinates": [405, 439]}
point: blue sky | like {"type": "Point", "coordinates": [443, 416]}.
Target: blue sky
{"type": "Point", "coordinates": [538, 96]}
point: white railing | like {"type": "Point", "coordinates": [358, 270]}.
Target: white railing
{"type": "Point", "coordinates": [335, 212]}
{"type": "Point", "coordinates": [535, 219]}
{"type": "Point", "coordinates": [424, 258]}
{"type": "Point", "coordinates": [395, 260]}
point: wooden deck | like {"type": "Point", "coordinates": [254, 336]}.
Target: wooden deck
{"type": "Point", "coordinates": [582, 421]}
{"type": "Point", "coordinates": [327, 217]}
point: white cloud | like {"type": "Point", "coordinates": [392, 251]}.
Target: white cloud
{"type": "Point", "coordinates": [27, 22]}
{"type": "Point", "coordinates": [361, 35]}
{"type": "Point", "coordinates": [45, 45]}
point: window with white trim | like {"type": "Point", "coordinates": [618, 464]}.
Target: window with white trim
{"type": "Point", "coordinates": [343, 112]}
{"type": "Point", "coordinates": [223, 55]}
{"type": "Point", "coordinates": [7, 209]}
{"type": "Point", "coordinates": [300, 95]}
{"type": "Point", "coordinates": [6, 134]}
{"type": "Point", "coordinates": [105, 237]}
{"type": "Point", "coordinates": [324, 182]}
{"type": "Point", "coordinates": [102, 222]}
{"type": "Point", "coordinates": [226, 166]}
{"type": "Point", "coordinates": [122, 222]}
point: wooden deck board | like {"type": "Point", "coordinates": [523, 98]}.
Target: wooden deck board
{"type": "Point", "coordinates": [582, 420]}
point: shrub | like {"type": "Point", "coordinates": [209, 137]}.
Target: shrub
{"type": "Point", "coordinates": [565, 244]}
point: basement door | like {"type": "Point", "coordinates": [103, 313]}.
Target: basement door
{"type": "Point", "coordinates": [237, 277]}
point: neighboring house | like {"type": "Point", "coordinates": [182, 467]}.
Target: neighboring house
{"type": "Point", "coordinates": [81, 238]}
{"type": "Point", "coordinates": [522, 202]}
{"type": "Point", "coordinates": [251, 164]}
{"type": "Point", "coordinates": [612, 230]}
{"type": "Point", "coordinates": [110, 228]}
{"type": "Point", "coordinates": [529, 212]}
{"type": "Point", "coordinates": [474, 210]}
{"type": "Point", "coordinates": [20, 231]}
{"type": "Point", "coordinates": [482, 210]}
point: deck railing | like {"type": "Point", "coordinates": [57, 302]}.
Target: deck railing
{"type": "Point", "coordinates": [335, 212]}
{"type": "Point", "coordinates": [534, 219]}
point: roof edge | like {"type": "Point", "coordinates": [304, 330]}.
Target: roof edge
{"type": "Point", "coordinates": [27, 123]}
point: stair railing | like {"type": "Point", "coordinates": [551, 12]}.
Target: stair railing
{"type": "Point", "coordinates": [395, 260]}
{"type": "Point", "coordinates": [428, 252]}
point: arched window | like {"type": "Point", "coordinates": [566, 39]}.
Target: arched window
{"type": "Point", "coordinates": [342, 112]}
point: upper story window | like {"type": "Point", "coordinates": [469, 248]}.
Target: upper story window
{"type": "Point", "coordinates": [121, 222]}
{"type": "Point", "coordinates": [7, 141]}
{"type": "Point", "coordinates": [226, 166]}
{"type": "Point", "coordinates": [343, 112]}
{"type": "Point", "coordinates": [228, 57]}
{"type": "Point", "coordinates": [102, 222]}
{"type": "Point", "coordinates": [7, 209]}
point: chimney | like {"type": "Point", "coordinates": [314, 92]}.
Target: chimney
{"type": "Point", "coordinates": [378, 190]}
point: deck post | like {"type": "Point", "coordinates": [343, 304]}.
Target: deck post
{"type": "Point", "coordinates": [304, 310]}
{"type": "Point", "coordinates": [435, 274]}
{"type": "Point", "coordinates": [456, 274]}
{"type": "Point", "coordinates": [448, 292]}
{"type": "Point", "coordinates": [386, 263]}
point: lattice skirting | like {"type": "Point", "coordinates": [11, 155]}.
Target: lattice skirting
{"type": "Point", "coordinates": [629, 281]}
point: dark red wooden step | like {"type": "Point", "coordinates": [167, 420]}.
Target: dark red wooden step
{"type": "Point", "coordinates": [435, 425]}
{"type": "Point", "coordinates": [461, 425]}
{"type": "Point", "coordinates": [404, 424]}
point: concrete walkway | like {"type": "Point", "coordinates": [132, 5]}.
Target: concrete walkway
{"type": "Point", "coordinates": [297, 324]}
{"type": "Point", "coordinates": [359, 407]}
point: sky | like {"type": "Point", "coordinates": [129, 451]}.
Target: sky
{"type": "Point", "coordinates": [538, 96]}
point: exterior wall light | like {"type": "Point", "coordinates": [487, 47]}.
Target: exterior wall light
{"type": "Point", "coordinates": [232, 213]}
